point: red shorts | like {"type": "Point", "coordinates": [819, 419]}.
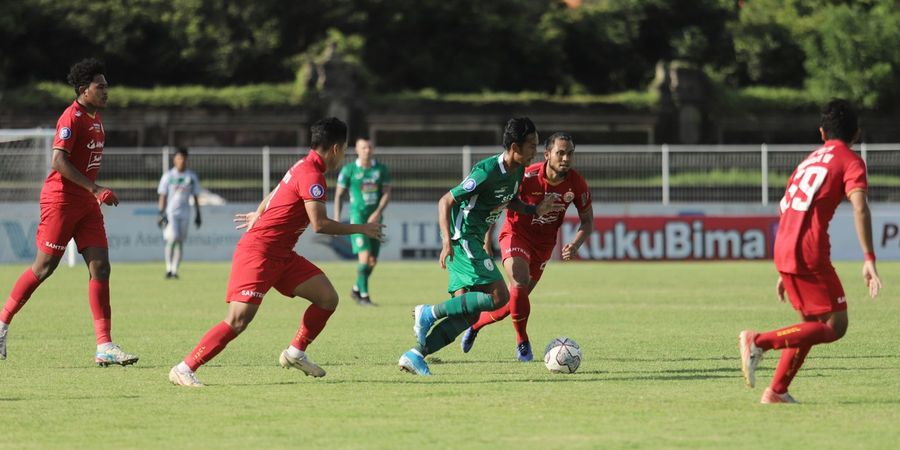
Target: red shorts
{"type": "Point", "coordinates": [816, 293]}
{"type": "Point", "coordinates": [253, 273]}
{"type": "Point", "coordinates": [62, 222]}
{"type": "Point", "coordinates": [520, 247]}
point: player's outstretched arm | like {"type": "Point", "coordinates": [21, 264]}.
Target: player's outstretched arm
{"type": "Point", "coordinates": [318, 219]}
{"type": "Point", "coordinates": [338, 194]}
{"type": "Point", "coordinates": [862, 219]}
{"type": "Point", "coordinates": [546, 206]}
{"type": "Point", "coordinates": [61, 164]}
{"type": "Point", "coordinates": [585, 229]}
{"type": "Point", "coordinates": [445, 204]}
{"type": "Point", "coordinates": [246, 220]}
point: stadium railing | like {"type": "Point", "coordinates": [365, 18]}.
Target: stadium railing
{"type": "Point", "coordinates": [643, 173]}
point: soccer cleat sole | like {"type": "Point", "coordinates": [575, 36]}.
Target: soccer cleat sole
{"type": "Point", "coordinates": [126, 362]}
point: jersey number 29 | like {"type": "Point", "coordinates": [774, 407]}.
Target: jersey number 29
{"type": "Point", "coordinates": [807, 181]}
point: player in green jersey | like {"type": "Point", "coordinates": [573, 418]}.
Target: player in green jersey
{"type": "Point", "coordinates": [370, 191]}
{"type": "Point", "coordinates": [465, 215]}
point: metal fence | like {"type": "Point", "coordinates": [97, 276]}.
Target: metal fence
{"type": "Point", "coordinates": [658, 174]}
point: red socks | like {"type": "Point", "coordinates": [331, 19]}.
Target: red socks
{"type": "Point", "coordinates": [213, 342]}
{"type": "Point", "coordinates": [519, 309]}
{"type": "Point", "coordinates": [805, 334]}
{"type": "Point", "coordinates": [314, 320]}
{"type": "Point", "coordinates": [795, 342]}
{"type": "Point", "coordinates": [21, 292]}
{"type": "Point", "coordinates": [488, 317]}
{"type": "Point", "coordinates": [788, 365]}
{"type": "Point", "coordinates": [98, 297]}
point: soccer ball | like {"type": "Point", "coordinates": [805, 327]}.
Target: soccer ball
{"type": "Point", "coordinates": [563, 355]}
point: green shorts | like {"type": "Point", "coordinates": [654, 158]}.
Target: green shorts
{"type": "Point", "coordinates": [361, 242]}
{"type": "Point", "coordinates": [471, 266]}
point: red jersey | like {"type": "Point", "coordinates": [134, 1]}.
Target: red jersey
{"type": "Point", "coordinates": [814, 191]}
{"type": "Point", "coordinates": [542, 230]}
{"type": "Point", "coordinates": [278, 229]}
{"type": "Point", "coordinates": [81, 136]}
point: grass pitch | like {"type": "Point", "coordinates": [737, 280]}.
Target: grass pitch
{"type": "Point", "coordinates": [661, 366]}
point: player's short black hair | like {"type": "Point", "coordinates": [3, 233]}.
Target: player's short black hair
{"type": "Point", "coordinates": [183, 151]}
{"type": "Point", "coordinates": [327, 132]}
{"type": "Point", "coordinates": [558, 135]}
{"type": "Point", "coordinates": [83, 72]}
{"type": "Point", "coordinates": [516, 131]}
{"type": "Point", "coordinates": [839, 120]}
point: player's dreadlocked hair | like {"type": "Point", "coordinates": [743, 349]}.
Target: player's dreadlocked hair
{"type": "Point", "coordinates": [327, 132]}
{"type": "Point", "coordinates": [558, 135]}
{"type": "Point", "coordinates": [516, 130]}
{"type": "Point", "coordinates": [83, 72]}
{"type": "Point", "coordinates": [839, 120]}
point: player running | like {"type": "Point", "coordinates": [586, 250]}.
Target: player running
{"type": "Point", "coordinates": [471, 208]}
{"type": "Point", "coordinates": [527, 242]}
{"type": "Point", "coordinates": [176, 187]}
{"type": "Point", "coordinates": [802, 252]}
{"type": "Point", "coordinates": [70, 208]}
{"type": "Point", "coordinates": [264, 257]}
{"type": "Point", "coordinates": [370, 191]}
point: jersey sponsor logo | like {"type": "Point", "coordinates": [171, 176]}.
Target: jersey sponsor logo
{"type": "Point", "coordinates": [316, 190]}
{"type": "Point", "coordinates": [469, 184]}
{"type": "Point", "coordinates": [94, 160]}
{"type": "Point", "coordinates": [519, 250]}
{"type": "Point", "coordinates": [531, 174]}
{"type": "Point", "coordinates": [254, 294]}
{"type": "Point", "coordinates": [54, 246]}
{"type": "Point", "coordinates": [77, 113]}
{"type": "Point", "coordinates": [488, 264]}
{"type": "Point", "coordinates": [568, 196]}
{"type": "Point", "coordinates": [94, 144]}
{"type": "Point", "coordinates": [65, 133]}
{"type": "Point", "coordinates": [97, 127]}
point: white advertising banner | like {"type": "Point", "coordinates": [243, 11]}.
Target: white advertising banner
{"type": "Point", "coordinates": [412, 233]}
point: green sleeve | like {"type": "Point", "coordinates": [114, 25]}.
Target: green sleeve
{"type": "Point", "coordinates": [344, 176]}
{"type": "Point", "coordinates": [385, 176]}
{"type": "Point", "coordinates": [471, 185]}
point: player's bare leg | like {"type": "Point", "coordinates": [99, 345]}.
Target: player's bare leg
{"type": "Point", "coordinates": [43, 266]}
{"type": "Point", "coordinates": [97, 260]}
{"type": "Point", "coordinates": [321, 293]}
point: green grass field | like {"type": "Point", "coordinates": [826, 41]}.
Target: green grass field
{"type": "Point", "coordinates": [660, 371]}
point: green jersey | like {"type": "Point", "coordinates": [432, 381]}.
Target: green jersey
{"type": "Point", "coordinates": [366, 185]}
{"type": "Point", "coordinates": [482, 196]}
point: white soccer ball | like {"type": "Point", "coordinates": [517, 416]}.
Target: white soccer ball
{"type": "Point", "coordinates": [563, 355]}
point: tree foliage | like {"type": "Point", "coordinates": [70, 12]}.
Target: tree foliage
{"type": "Point", "coordinates": [845, 48]}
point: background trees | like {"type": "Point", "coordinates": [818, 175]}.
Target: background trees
{"type": "Point", "coordinates": [825, 48]}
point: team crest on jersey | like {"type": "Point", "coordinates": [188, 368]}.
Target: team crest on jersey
{"type": "Point", "coordinates": [65, 133]}
{"type": "Point", "coordinates": [488, 264]}
{"type": "Point", "coordinates": [316, 191]}
{"type": "Point", "coordinates": [469, 184]}
{"type": "Point", "coordinates": [77, 113]}
{"type": "Point", "coordinates": [568, 196]}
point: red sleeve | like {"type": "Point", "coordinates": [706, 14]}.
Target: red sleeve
{"type": "Point", "coordinates": [65, 132]}
{"type": "Point", "coordinates": [311, 186]}
{"type": "Point", "coordinates": [582, 194]}
{"type": "Point", "coordinates": [855, 176]}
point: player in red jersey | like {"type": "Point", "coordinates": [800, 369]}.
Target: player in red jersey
{"type": "Point", "coordinates": [70, 208]}
{"type": "Point", "coordinates": [803, 252]}
{"type": "Point", "coordinates": [264, 257]}
{"type": "Point", "coordinates": [527, 242]}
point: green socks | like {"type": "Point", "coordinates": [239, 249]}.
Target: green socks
{"type": "Point", "coordinates": [467, 304]}
{"type": "Point", "coordinates": [362, 278]}
{"type": "Point", "coordinates": [445, 332]}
